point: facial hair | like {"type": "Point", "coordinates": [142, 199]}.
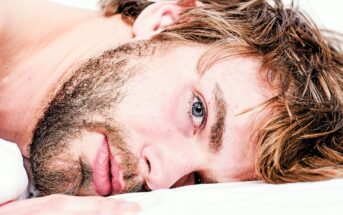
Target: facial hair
{"type": "Point", "coordinates": [92, 92]}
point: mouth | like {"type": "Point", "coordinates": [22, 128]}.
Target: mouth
{"type": "Point", "coordinates": [107, 175]}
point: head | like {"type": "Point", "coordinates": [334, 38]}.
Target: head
{"type": "Point", "coordinates": [232, 91]}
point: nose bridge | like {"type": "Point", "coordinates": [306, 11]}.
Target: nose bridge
{"type": "Point", "coordinates": [168, 163]}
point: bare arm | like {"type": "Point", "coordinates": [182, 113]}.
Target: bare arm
{"type": "Point", "coordinates": [28, 24]}
{"type": "Point", "coordinates": [69, 205]}
{"type": "Point", "coordinates": [3, 6]}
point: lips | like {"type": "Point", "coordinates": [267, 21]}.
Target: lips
{"type": "Point", "coordinates": [106, 172]}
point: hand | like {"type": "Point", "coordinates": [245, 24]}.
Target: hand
{"type": "Point", "coordinates": [69, 205]}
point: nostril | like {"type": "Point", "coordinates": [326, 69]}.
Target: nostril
{"type": "Point", "coordinates": [146, 188]}
{"type": "Point", "coordinates": [148, 164]}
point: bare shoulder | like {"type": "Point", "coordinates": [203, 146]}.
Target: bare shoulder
{"type": "Point", "coordinates": [3, 6]}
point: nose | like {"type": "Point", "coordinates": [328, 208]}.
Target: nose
{"type": "Point", "coordinates": [167, 168]}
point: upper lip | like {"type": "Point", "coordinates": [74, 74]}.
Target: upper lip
{"type": "Point", "coordinates": [114, 172]}
{"type": "Point", "coordinates": [107, 177]}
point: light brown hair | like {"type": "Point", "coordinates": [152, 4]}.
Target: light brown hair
{"type": "Point", "coordinates": [129, 9]}
{"type": "Point", "coordinates": [302, 139]}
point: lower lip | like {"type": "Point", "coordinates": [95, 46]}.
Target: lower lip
{"type": "Point", "coordinates": [101, 172]}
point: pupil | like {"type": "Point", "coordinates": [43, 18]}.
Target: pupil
{"type": "Point", "coordinates": [197, 179]}
{"type": "Point", "coordinates": [197, 109]}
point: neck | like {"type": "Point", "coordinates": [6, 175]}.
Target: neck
{"type": "Point", "coordinates": [47, 45]}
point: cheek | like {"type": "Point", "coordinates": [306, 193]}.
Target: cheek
{"type": "Point", "coordinates": [237, 159]}
{"type": "Point", "coordinates": [241, 135]}
{"type": "Point", "coordinates": [158, 113]}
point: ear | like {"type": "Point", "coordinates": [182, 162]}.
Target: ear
{"type": "Point", "coordinates": [158, 16]}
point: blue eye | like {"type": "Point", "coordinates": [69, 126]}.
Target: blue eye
{"type": "Point", "coordinates": [198, 112]}
{"type": "Point", "coordinates": [197, 109]}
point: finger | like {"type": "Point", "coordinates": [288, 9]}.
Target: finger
{"type": "Point", "coordinates": [71, 204]}
{"type": "Point", "coordinates": [22, 205]}
{"type": "Point", "coordinates": [94, 203]}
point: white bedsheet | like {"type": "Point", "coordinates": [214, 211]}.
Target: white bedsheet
{"type": "Point", "coordinates": [13, 177]}
{"type": "Point", "coordinates": [325, 198]}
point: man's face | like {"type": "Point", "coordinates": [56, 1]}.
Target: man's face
{"type": "Point", "coordinates": [137, 118]}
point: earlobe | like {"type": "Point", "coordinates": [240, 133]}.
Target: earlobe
{"type": "Point", "coordinates": [158, 16]}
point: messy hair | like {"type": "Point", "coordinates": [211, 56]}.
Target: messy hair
{"type": "Point", "coordinates": [302, 139]}
{"type": "Point", "coordinates": [129, 9]}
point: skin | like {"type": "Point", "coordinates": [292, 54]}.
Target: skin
{"type": "Point", "coordinates": [162, 135]}
{"type": "Point", "coordinates": [159, 129]}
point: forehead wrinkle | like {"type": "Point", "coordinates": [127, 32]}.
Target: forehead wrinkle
{"type": "Point", "coordinates": [217, 129]}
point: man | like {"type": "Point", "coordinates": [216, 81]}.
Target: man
{"type": "Point", "coordinates": [234, 90]}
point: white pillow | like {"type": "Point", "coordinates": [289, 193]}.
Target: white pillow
{"type": "Point", "coordinates": [251, 198]}
{"type": "Point", "coordinates": [13, 178]}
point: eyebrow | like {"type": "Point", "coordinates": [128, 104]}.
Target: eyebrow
{"type": "Point", "coordinates": [217, 129]}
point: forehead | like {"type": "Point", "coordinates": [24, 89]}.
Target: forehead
{"type": "Point", "coordinates": [242, 81]}
{"type": "Point", "coordinates": [243, 90]}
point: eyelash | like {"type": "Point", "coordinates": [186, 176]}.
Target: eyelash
{"type": "Point", "coordinates": [190, 105]}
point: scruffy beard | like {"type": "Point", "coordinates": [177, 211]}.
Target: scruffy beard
{"type": "Point", "coordinates": [94, 90]}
